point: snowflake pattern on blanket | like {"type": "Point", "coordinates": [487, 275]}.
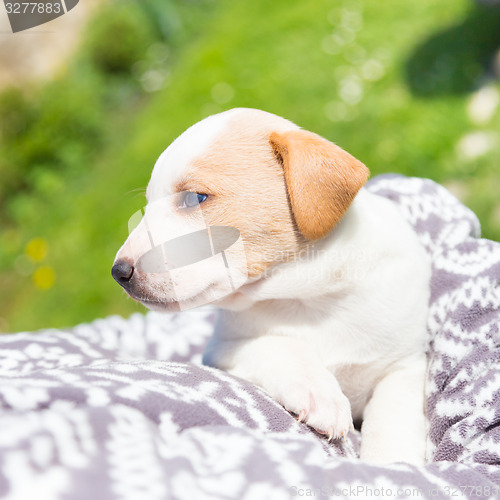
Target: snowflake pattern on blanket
{"type": "Point", "coordinates": [122, 408]}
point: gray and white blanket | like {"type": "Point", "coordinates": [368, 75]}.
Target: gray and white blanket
{"type": "Point", "coordinates": [122, 408]}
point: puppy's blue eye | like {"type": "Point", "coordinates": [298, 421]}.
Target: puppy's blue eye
{"type": "Point", "coordinates": [191, 199]}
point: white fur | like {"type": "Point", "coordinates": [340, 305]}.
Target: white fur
{"type": "Point", "coordinates": [347, 311]}
{"type": "Point", "coordinates": [340, 331]}
{"type": "Point", "coordinates": [172, 163]}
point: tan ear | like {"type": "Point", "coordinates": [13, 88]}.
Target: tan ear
{"type": "Point", "coordinates": [322, 179]}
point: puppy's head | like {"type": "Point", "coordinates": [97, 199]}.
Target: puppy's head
{"type": "Point", "coordinates": [233, 195]}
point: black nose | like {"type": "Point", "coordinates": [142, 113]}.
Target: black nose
{"type": "Point", "coordinates": [122, 271]}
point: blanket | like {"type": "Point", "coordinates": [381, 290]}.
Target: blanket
{"type": "Point", "coordinates": [122, 409]}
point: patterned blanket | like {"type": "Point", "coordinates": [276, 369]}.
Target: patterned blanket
{"type": "Point", "coordinates": [122, 408]}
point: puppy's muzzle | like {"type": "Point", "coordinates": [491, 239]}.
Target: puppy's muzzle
{"type": "Point", "coordinates": [122, 272]}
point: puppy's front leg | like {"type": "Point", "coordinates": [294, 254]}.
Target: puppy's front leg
{"type": "Point", "coordinates": [292, 373]}
{"type": "Point", "coordinates": [394, 426]}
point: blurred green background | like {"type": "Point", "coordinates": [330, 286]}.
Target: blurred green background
{"type": "Point", "coordinates": [406, 87]}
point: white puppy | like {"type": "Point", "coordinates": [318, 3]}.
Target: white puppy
{"type": "Point", "coordinates": [327, 312]}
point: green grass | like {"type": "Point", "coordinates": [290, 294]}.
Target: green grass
{"type": "Point", "coordinates": [354, 72]}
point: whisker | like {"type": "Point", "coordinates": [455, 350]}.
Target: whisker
{"type": "Point", "coordinates": [137, 191]}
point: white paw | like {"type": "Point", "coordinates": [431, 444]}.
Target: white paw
{"type": "Point", "coordinates": [295, 376]}
{"type": "Point", "coordinates": [321, 405]}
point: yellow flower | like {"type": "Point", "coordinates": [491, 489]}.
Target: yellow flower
{"type": "Point", "coordinates": [37, 249]}
{"type": "Point", "coordinates": [44, 277]}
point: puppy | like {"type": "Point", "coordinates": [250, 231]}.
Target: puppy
{"type": "Point", "coordinates": [328, 310]}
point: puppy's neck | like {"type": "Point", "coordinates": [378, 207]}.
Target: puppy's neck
{"type": "Point", "coordinates": [329, 267]}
